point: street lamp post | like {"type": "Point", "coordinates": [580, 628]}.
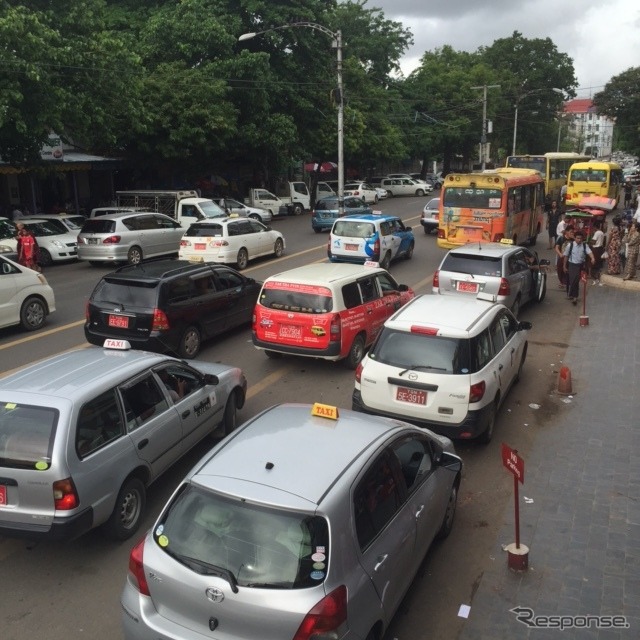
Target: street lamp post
{"type": "Point", "coordinates": [337, 44]}
{"type": "Point", "coordinates": [515, 118]}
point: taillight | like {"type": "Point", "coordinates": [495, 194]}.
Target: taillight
{"type": "Point", "coordinates": [504, 289]}
{"type": "Point", "coordinates": [185, 243]}
{"type": "Point", "coordinates": [476, 391]}
{"type": "Point", "coordinates": [359, 369]}
{"type": "Point", "coordinates": [160, 321]}
{"type": "Point", "coordinates": [426, 331]}
{"type": "Point", "coordinates": [111, 240]}
{"type": "Point", "coordinates": [218, 243]}
{"type": "Point", "coordinates": [436, 279]}
{"type": "Point", "coordinates": [65, 496]}
{"type": "Point", "coordinates": [326, 617]}
{"type": "Point", "coordinates": [335, 329]}
{"type": "Point", "coordinates": [136, 569]}
{"type": "Point", "coordinates": [86, 311]}
{"type": "Point", "coordinates": [376, 250]}
{"type": "Point", "coordinates": [441, 234]}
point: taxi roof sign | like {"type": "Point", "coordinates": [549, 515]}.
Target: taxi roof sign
{"type": "Point", "coordinates": [324, 411]}
{"type": "Point", "coordinates": [506, 241]}
{"type": "Point", "coordinates": [371, 263]}
{"type": "Point", "coordinates": [111, 343]}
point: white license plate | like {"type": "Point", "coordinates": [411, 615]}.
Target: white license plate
{"type": "Point", "coordinates": [351, 247]}
{"type": "Point", "coordinates": [412, 396]}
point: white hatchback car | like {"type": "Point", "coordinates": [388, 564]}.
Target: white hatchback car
{"type": "Point", "coordinates": [25, 296]}
{"type": "Point", "coordinates": [230, 241]}
{"type": "Point", "coordinates": [445, 363]}
{"type": "Point", "coordinates": [54, 244]}
{"type": "Point", "coordinates": [361, 190]}
{"type": "Point", "coordinates": [405, 187]}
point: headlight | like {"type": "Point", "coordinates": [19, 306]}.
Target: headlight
{"type": "Point", "coordinates": [57, 244]}
{"type": "Point", "coordinates": [5, 249]}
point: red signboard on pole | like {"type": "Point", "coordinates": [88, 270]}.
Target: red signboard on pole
{"type": "Point", "coordinates": [513, 462]}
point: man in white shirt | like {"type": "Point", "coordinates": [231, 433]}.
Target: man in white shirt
{"type": "Point", "coordinates": [576, 254]}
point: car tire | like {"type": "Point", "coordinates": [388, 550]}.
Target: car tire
{"type": "Point", "coordinates": [385, 263]}
{"type": "Point", "coordinates": [389, 194]}
{"type": "Point", "coordinates": [33, 313]}
{"type": "Point", "coordinates": [375, 199]}
{"type": "Point", "coordinates": [44, 258]}
{"type": "Point", "coordinates": [273, 355]}
{"type": "Point", "coordinates": [230, 418]}
{"type": "Point", "coordinates": [278, 248]}
{"type": "Point", "coordinates": [356, 353]}
{"type": "Point", "coordinates": [543, 289]}
{"type": "Point", "coordinates": [190, 343]}
{"type": "Point", "coordinates": [134, 255]}
{"type": "Point", "coordinates": [242, 260]}
{"type": "Point", "coordinates": [449, 514]}
{"type": "Point", "coordinates": [127, 513]}
{"type": "Point", "coordinates": [297, 209]}
{"type": "Point", "coordinates": [487, 434]}
{"type": "Point", "coordinates": [420, 192]}
{"type": "Point", "coordinates": [427, 231]}
{"type": "Point", "coordinates": [317, 229]}
{"type": "Point", "coordinates": [409, 254]}
{"type": "Point", "coordinates": [255, 216]}
{"type": "Point", "coordinates": [515, 307]}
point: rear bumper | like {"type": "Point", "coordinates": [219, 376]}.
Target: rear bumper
{"type": "Point", "coordinates": [67, 528]}
{"type": "Point", "coordinates": [473, 425]}
{"type": "Point", "coordinates": [332, 352]}
{"type": "Point", "coordinates": [159, 343]}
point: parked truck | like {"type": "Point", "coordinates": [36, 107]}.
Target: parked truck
{"type": "Point", "coordinates": [184, 206]}
{"type": "Point", "coordinates": [290, 199]}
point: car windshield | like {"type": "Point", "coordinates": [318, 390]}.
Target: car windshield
{"type": "Point", "coordinates": [7, 229]}
{"type": "Point", "coordinates": [26, 435]}
{"type": "Point", "coordinates": [248, 544]}
{"type": "Point", "coordinates": [206, 230]}
{"type": "Point", "coordinates": [98, 226]}
{"type": "Point", "coordinates": [474, 264]}
{"type": "Point", "coordinates": [212, 210]}
{"type": "Point", "coordinates": [422, 352]}
{"type": "Point", "coordinates": [125, 293]}
{"type": "Point", "coordinates": [43, 229]}
{"type": "Point", "coordinates": [353, 229]}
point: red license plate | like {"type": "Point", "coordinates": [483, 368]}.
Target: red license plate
{"type": "Point", "coordinates": [412, 396]}
{"type": "Point", "coordinates": [351, 247]}
{"type": "Point", "coordinates": [471, 287]}
{"type": "Point", "coordinates": [3, 495]}
{"type": "Point", "coordinates": [290, 331]}
{"type": "Point", "coordinates": [122, 322]}
{"type": "Point", "coordinates": [200, 246]}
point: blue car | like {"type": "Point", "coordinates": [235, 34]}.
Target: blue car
{"type": "Point", "coordinates": [375, 237]}
{"type": "Point", "coordinates": [325, 213]}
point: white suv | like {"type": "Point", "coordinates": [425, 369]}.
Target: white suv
{"type": "Point", "coordinates": [445, 363]}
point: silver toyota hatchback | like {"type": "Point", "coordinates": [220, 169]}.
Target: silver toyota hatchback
{"type": "Point", "coordinates": [84, 433]}
{"type": "Point", "coordinates": [307, 522]}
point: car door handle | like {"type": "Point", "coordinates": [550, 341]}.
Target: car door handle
{"type": "Point", "coordinates": [419, 511]}
{"type": "Point", "coordinates": [380, 562]}
{"type": "Point", "coordinates": [143, 443]}
{"type": "Point", "coordinates": [186, 414]}
{"type": "Point", "coordinates": [500, 367]}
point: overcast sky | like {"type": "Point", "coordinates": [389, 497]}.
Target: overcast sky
{"type": "Point", "coordinates": [601, 36]}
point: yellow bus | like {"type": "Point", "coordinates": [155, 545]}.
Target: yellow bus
{"type": "Point", "coordinates": [594, 178]}
{"type": "Point", "coordinates": [554, 167]}
{"type": "Point", "coordinates": [490, 206]}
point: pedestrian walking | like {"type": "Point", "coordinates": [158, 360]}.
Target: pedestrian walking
{"type": "Point", "coordinates": [628, 193]}
{"type": "Point", "coordinates": [632, 240]}
{"type": "Point", "coordinates": [576, 254]}
{"type": "Point", "coordinates": [597, 246]}
{"type": "Point", "coordinates": [614, 245]}
{"type": "Point", "coordinates": [561, 242]}
{"type": "Point", "coordinates": [553, 218]}
{"type": "Point", "coordinates": [27, 247]}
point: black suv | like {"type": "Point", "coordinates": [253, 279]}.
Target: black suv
{"type": "Point", "coordinates": [169, 305]}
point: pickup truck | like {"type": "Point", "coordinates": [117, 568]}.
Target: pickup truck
{"type": "Point", "coordinates": [184, 206]}
{"type": "Point", "coordinates": [290, 199]}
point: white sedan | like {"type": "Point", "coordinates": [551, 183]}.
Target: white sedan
{"type": "Point", "coordinates": [405, 187]}
{"type": "Point", "coordinates": [230, 241]}
{"type": "Point", "coordinates": [361, 190]}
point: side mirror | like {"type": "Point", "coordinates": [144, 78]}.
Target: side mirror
{"type": "Point", "coordinates": [544, 262]}
{"type": "Point", "coordinates": [403, 287]}
{"type": "Point", "coordinates": [407, 228]}
{"type": "Point", "coordinates": [210, 379]}
{"type": "Point", "coordinates": [450, 461]}
{"type": "Point", "coordinates": [524, 326]}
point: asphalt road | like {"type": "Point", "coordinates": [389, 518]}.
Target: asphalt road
{"type": "Point", "coordinates": [71, 590]}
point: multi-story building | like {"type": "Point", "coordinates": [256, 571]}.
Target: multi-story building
{"type": "Point", "coordinates": [588, 132]}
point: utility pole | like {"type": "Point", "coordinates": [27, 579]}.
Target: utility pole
{"type": "Point", "coordinates": [483, 139]}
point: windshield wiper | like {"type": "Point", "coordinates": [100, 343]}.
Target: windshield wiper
{"type": "Point", "coordinates": [413, 367]}
{"type": "Point", "coordinates": [209, 569]}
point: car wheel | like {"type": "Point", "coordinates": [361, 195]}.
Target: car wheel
{"type": "Point", "coordinates": [278, 248]}
{"type": "Point", "coordinates": [242, 260]}
{"type": "Point", "coordinates": [389, 194]}
{"type": "Point", "coordinates": [297, 209]}
{"type": "Point", "coordinates": [274, 355]}
{"type": "Point", "coordinates": [449, 514]}
{"type": "Point", "coordinates": [317, 229]}
{"type": "Point", "coordinates": [419, 192]}
{"type": "Point", "coordinates": [127, 514]}
{"type": "Point", "coordinates": [32, 314]}
{"type": "Point", "coordinates": [542, 288]}
{"type": "Point", "coordinates": [487, 434]}
{"type": "Point", "coordinates": [230, 419]}
{"type": "Point", "coordinates": [427, 231]}
{"type": "Point", "coordinates": [134, 256]}
{"type": "Point", "coordinates": [515, 307]}
{"type": "Point", "coordinates": [386, 260]}
{"type": "Point", "coordinates": [356, 353]}
{"type": "Point", "coordinates": [409, 253]}
{"type": "Point", "coordinates": [255, 216]}
{"type": "Point", "coordinates": [375, 199]}
{"type": "Point", "coordinates": [189, 343]}
{"type": "Point", "coordinates": [44, 258]}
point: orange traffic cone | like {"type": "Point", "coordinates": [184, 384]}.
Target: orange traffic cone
{"type": "Point", "coordinates": [564, 382]}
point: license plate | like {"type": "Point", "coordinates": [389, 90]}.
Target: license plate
{"type": "Point", "coordinates": [471, 287]}
{"type": "Point", "coordinates": [290, 331]}
{"type": "Point", "coordinates": [3, 495]}
{"type": "Point", "coordinates": [351, 247]}
{"type": "Point", "coordinates": [196, 259]}
{"type": "Point", "coordinates": [92, 240]}
{"type": "Point", "coordinates": [412, 396]}
{"type": "Point", "coordinates": [200, 246]}
{"type": "Point", "coordinates": [122, 322]}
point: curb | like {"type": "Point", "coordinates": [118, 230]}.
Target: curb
{"type": "Point", "coordinates": [618, 283]}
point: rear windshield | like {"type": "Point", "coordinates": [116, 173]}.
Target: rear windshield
{"type": "Point", "coordinates": [26, 435]}
{"type": "Point", "coordinates": [98, 226]}
{"type": "Point", "coordinates": [300, 298]}
{"type": "Point", "coordinates": [472, 198]}
{"type": "Point", "coordinates": [421, 352]}
{"type": "Point", "coordinates": [327, 204]}
{"type": "Point", "coordinates": [588, 175]}
{"type": "Point", "coordinates": [204, 230]}
{"type": "Point", "coordinates": [125, 293]}
{"type": "Point", "coordinates": [353, 229]}
{"type": "Point", "coordinates": [212, 210]}
{"type": "Point", "coordinates": [477, 265]}
{"type": "Point", "coordinates": [250, 545]}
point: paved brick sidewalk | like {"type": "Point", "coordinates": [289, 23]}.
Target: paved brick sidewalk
{"type": "Point", "coordinates": [583, 474]}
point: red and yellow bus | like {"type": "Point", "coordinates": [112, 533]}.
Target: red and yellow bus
{"type": "Point", "coordinates": [490, 206]}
